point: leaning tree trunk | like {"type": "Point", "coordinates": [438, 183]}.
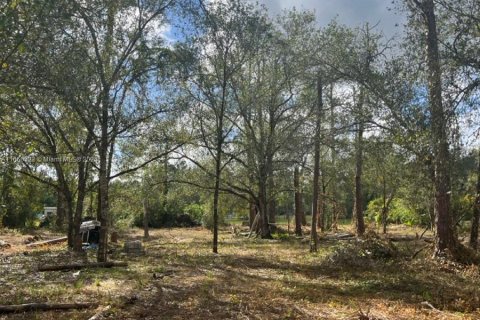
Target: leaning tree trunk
{"type": "Point", "coordinates": [316, 168]}
{"type": "Point", "coordinates": [443, 220]}
{"type": "Point", "coordinates": [476, 210]}
{"type": "Point", "coordinates": [298, 201]}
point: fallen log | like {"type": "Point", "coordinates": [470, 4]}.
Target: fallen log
{"type": "Point", "coordinates": [44, 307]}
{"type": "Point", "coordinates": [405, 238]}
{"type": "Point", "coordinates": [78, 266]}
{"type": "Point", "coordinates": [339, 236]}
{"type": "Point", "coordinates": [47, 242]}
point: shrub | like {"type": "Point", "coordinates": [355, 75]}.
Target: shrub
{"type": "Point", "coordinates": [399, 212]}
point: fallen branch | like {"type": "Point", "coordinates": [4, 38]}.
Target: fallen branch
{"type": "Point", "coordinates": [428, 304]}
{"type": "Point", "coordinates": [418, 251]}
{"type": "Point", "coordinates": [47, 242]}
{"type": "Point", "coordinates": [421, 236]}
{"type": "Point", "coordinates": [97, 315]}
{"type": "Point", "coordinates": [44, 306]}
{"type": "Point", "coordinates": [77, 266]}
{"type": "Point", "coordinates": [339, 236]}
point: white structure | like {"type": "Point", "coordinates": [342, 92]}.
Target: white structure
{"type": "Point", "coordinates": [49, 211]}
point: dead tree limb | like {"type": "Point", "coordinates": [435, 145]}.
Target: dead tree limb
{"type": "Point", "coordinates": [46, 242]}
{"type": "Point", "coordinates": [255, 223]}
{"type": "Point", "coordinates": [77, 266]}
{"type": "Point", "coordinates": [44, 306]}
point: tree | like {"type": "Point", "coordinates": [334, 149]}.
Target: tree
{"type": "Point", "coordinates": [444, 236]}
{"type": "Point", "coordinates": [316, 168]}
{"type": "Point", "coordinates": [123, 56]}
{"type": "Point", "coordinates": [299, 214]}
{"type": "Point", "coordinates": [476, 210]}
{"type": "Point", "coordinates": [227, 30]}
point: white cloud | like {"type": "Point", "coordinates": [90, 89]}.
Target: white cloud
{"type": "Point", "coordinates": [350, 12]}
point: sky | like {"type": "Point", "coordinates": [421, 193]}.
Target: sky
{"type": "Point", "coordinates": [350, 12]}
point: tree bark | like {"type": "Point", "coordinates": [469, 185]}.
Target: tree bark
{"type": "Point", "coordinates": [81, 193]}
{"type": "Point", "coordinates": [8, 178]}
{"type": "Point", "coordinates": [60, 219]}
{"type": "Point", "coordinates": [104, 145]}
{"type": "Point", "coordinates": [83, 171]}
{"type": "Point", "coordinates": [321, 222]}
{"type": "Point", "coordinates": [272, 204]}
{"type": "Point", "coordinates": [165, 181]}
{"type": "Point", "coordinates": [262, 203]}
{"type": "Point", "coordinates": [316, 168]}
{"type": "Point", "coordinates": [334, 215]}
{"type": "Point", "coordinates": [145, 219]}
{"type": "Point", "coordinates": [358, 196]}
{"type": "Point", "coordinates": [476, 211]}
{"type": "Point", "coordinates": [298, 201]}
{"type": "Point", "coordinates": [444, 237]}
{"type": "Point", "coordinates": [252, 213]}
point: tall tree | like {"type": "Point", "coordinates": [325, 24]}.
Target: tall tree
{"type": "Point", "coordinates": [476, 210]}
{"type": "Point", "coordinates": [316, 165]}
{"type": "Point", "coordinates": [444, 236]}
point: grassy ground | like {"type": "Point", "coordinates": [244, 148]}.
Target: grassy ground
{"type": "Point", "coordinates": [179, 278]}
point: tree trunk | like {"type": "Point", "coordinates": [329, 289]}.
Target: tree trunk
{"type": "Point", "coordinates": [103, 213]}
{"type": "Point", "coordinates": [145, 219]}
{"type": "Point", "coordinates": [106, 140]}
{"type": "Point", "coordinates": [298, 201]}
{"type": "Point", "coordinates": [321, 204]}
{"type": "Point", "coordinates": [358, 196]}
{"type": "Point", "coordinates": [252, 213]}
{"type": "Point", "coordinates": [61, 204]}
{"type": "Point", "coordinates": [316, 168]}
{"type": "Point", "coordinates": [272, 204]}
{"type": "Point", "coordinates": [81, 193]}
{"type": "Point", "coordinates": [165, 181]}
{"type": "Point", "coordinates": [218, 169]}
{"type": "Point", "coordinates": [333, 209]}
{"type": "Point", "coordinates": [8, 211]}
{"type": "Point", "coordinates": [476, 210]}
{"type": "Point", "coordinates": [443, 220]}
{"type": "Point", "coordinates": [262, 202]}
{"type": "Point", "coordinates": [384, 208]}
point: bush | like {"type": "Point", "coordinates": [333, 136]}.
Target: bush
{"type": "Point", "coordinates": [207, 219]}
{"type": "Point", "coordinates": [361, 251]}
{"type": "Point", "coordinates": [398, 213]}
{"type": "Point", "coordinates": [195, 211]}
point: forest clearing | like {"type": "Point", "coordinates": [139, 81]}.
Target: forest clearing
{"type": "Point", "coordinates": [179, 278]}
